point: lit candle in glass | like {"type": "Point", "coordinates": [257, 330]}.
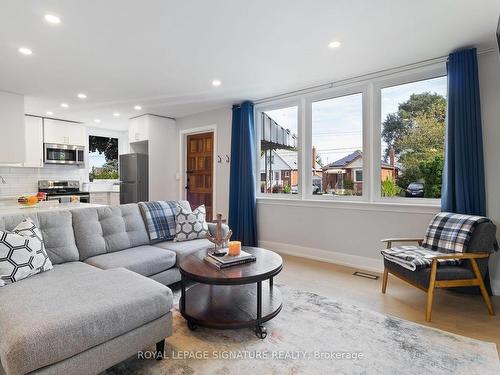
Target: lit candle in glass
{"type": "Point", "coordinates": [234, 248]}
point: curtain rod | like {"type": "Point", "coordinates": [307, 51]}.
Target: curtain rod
{"type": "Point", "coordinates": [363, 77]}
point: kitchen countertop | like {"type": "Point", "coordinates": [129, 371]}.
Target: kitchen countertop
{"type": "Point", "coordinates": [103, 191]}
{"type": "Point", "coordinates": [18, 209]}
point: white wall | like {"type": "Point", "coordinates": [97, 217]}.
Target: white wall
{"type": "Point", "coordinates": [346, 233]}
{"type": "Point", "coordinates": [221, 119]}
{"type": "Point", "coordinates": [489, 79]}
{"type": "Point", "coordinates": [162, 158]}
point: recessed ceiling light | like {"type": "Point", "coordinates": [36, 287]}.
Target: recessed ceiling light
{"type": "Point", "coordinates": [82, 95]}
{"type": "Point", "coordinates": [216, 83]}
{"type": "Point", "coordinates": [53, 19]}
{"type": "Point", "coordinates": [334, 44]}
{"type": "Point", "coordinates": [64, 105]}
{"type": "Point", "coordinates": [97, 120]}
{"type": "Point", "coordinates": [116, 114]}
{"type": "Point", "coordinates": [49, 113]}
{"type": "Point", "coordinates": [25, 51]}
{"type": "Point", "coordinates": [137, 107]}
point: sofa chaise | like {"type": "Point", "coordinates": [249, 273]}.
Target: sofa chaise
{"type": "Point", "coordinates": [105, 299]}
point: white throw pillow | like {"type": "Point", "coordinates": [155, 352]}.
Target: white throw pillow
{"type": "Point", "coordinates": [190, 225]}
{"type": "Point", "coordinates": [22, 253]}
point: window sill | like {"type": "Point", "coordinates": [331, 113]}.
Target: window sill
{"type": "Point", "coordinates": [405, 207]}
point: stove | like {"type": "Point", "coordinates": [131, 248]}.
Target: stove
{"type": "Point", "coordinates": [63, 190]}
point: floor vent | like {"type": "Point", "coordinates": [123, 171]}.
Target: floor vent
{"type": "Point", "coordinates": [366, 275]}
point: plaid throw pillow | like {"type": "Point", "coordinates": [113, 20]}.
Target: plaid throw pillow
{"type": "Point", "coordinates": [160, 218]}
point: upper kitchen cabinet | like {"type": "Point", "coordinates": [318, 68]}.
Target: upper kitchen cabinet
{"type": "Point", "coordinates": [34, 142]}
{"type": "Point", "coordinates": [12, 140]}
{"type": "Point", "coordinates": [64, 132]}
{"type": "Point", "coordinates": [138, 129]}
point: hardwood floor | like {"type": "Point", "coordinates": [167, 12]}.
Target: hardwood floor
{"type": "Point", "coordinates": [457, 313]}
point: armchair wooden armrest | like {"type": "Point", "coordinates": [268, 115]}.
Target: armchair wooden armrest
{"type": "Point", "coordinates": [462, 256]}
{"type": "Point", "coordinates": [389, 241]}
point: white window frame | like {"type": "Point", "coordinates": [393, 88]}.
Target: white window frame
{"type": "Point", "coordinates": [370, 87]}
{"type": "Point", "coordinates": [333, 94]}
{"type": "Point", "coordinates": [269, 106]}
{"type": "Point", "coordinates": [434, 71]}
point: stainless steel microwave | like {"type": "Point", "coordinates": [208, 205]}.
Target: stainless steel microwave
{"type": "Point", "coordinates": [63, 154]}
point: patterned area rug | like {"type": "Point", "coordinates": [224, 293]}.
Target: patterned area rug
{"type": "Point", "coordinates": [316, 335]}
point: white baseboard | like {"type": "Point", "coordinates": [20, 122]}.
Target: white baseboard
{"type": "Point", "coordinates": [343, 259]}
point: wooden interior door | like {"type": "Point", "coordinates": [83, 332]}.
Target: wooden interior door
{"type": "Point", "coordinates": [199, 171]}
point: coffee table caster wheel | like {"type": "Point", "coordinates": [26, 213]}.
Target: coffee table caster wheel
{"type": "Point", "coordinates": [192, 326]}
{"type": "Point", "coordinates": [261, 332]}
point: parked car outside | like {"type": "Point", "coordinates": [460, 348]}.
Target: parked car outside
{"type": "Point", "coordinates": [315, 189]}
{"type": "Point", "coordinates": [415, 190]}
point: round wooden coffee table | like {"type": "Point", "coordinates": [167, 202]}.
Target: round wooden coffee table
{"type": "Point", "coordinates": [234, 297]}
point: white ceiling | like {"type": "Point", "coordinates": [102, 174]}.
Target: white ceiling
{"type": "Point", "coordinates": [164, 54]}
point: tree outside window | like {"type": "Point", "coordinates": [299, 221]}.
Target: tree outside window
{"type": "Point", "coordinates": [103, 158]}
{"type": "Point", "coordinates": [413, 133]}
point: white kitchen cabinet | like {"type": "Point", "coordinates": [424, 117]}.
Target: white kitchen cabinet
{"type": "Point", "coordinates": [138, 130]}
{"type": "Point", "coordinates": [109, 198]}
{"type": "Point", "coordinates": [64, 132]}
{"type": "Point", "coordinates": [114, 198]}
{"type": "Point", "coordinates": [12, 139]}
{"type": "Point", "coordinates": [34, 142]}
{"type": "Point", "coordinates": [99, 198]}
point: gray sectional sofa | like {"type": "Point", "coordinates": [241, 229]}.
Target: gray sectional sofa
{"type": "Point", "coordinates": [105, 299]}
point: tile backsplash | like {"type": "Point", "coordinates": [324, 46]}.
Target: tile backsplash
{"type": "Point", "coordinates": [23, 181]}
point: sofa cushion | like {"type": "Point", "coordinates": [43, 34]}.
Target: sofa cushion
{"type": "Point", "coordinates": [422, 276]}
{"type": "Point", "coordinates": [57, 233]}
{"type": "Point", "coordinates": [185, 248]}
{"type": "Point", "coordinates": [145, 260]}
{"type": "Point", "coordinates": [78, 308]}
{"type": "Point", "coordinates": [106, 229]}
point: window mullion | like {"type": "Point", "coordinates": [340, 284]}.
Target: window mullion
{"type": "Point", "coordinates": [376, 141]}
{"type": "Point", "coordinates": [305, 161]}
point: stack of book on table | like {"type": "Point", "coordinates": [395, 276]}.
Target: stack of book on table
{"type": "Point", "coordinates": [229, 260]}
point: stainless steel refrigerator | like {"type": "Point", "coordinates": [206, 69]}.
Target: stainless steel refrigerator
{"type": "Point", "coordinates": [134, 178]}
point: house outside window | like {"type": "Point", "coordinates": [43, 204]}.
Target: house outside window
{"type": "Point", "coordinates": [337, 138]}
{"type": "Point", "coordinates": [278, 150]}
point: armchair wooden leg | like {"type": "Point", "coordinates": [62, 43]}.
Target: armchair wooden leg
{"type": "Point", "coordinates": [384, 280]}
{"type": "Point", "coordinates": [430, 291]}
{"type": "Point", "coordinates": [484, 292]}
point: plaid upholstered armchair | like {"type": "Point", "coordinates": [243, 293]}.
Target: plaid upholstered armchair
{"type": "Point", "coordinates": [453, 253]}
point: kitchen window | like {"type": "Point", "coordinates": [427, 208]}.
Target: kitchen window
{"type": "Point", "coordinates": [103, 158]}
